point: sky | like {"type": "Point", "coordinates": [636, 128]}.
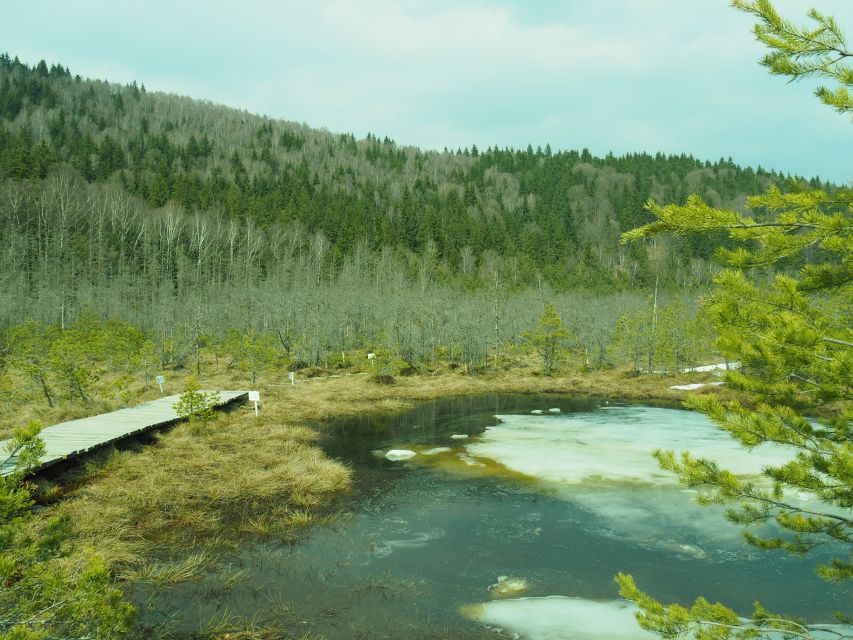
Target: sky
{"type": "Point", "coordinates": [675, 76]}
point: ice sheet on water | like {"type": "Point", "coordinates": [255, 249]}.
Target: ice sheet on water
{"type": "Point", "coordinates": [602, 461]}
{"type": "Point", "coordinates": [613, 443]}
{"type": "Point", "coordinates": [561, 618]}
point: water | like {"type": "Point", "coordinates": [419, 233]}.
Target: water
{"type": "Point", "coordinates": [560, 502]}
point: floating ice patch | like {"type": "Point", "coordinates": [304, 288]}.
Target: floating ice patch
{"type": "Point", "coordinates": [560, 618]}
{"type": "Point", "coordinates": [400, 454]}
{"type": "Point", "coordinates": [554, 410]}
{"type": "Point", "coordinates": [508, 586]}
{"type": "Point", "coordinates": [459, 436]}
{"type": "Point", "coordinates": [537, 412]}
{"type": "Point", "coordinates": [435, 450]}
{"type": "Point", "coordinates": [385, 548]}
{"type": "Point", "coordinates": [692, 550]}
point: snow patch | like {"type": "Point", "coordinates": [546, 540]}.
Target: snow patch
{"type": "Point", "coordinates": [695, 385]}
{"type": "Point", "coordinates": [614, 445]}
{"type": "Point", "coordinates": [720, 366]}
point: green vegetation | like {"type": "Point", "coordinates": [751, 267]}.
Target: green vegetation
{"type": "Point", "coordinates": [663, 338]}
{"type": "Point", "coordinates": [41, 597]}
{"type": "Point", "coordinates": [794, 338]}
{"type": "Point", "coordinates": [242, 248]}
{"type": "Point", "coordinates": [548, 338]}
{"type": "Point", "coordinates": [197, 406]}
{"type": "Point", "coordinates": [267, 188]}
{"type": "Point", "coordinates": [189, 220]}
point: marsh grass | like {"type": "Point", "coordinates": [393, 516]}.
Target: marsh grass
{"type": "Point", "coordinates": [173, 571]}
{"type": "Point", "coordinates": [164, 511]}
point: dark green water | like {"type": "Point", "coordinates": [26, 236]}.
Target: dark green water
{"type": "Point", "coordinates": [418, 542]}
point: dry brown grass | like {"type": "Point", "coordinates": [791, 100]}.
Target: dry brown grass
{"type": "Point", "coordinates": [358, 395]}
{"type": "Point", "coordinates": [261, 477]}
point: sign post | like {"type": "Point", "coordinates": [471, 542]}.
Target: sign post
{"type": "Point", "coordinates": [292, 378]}
{"type": "Point", "coordinates": [255, 396]}
{"type": "Point", "coordinates": [160, 381]}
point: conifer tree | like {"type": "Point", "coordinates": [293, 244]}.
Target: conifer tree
{"type": "Point", "coordinates": [792, 332]}
{"type": "Point", "coordinates": [548, 338]}
{"type": "Point", "coordinates": [195, 405]}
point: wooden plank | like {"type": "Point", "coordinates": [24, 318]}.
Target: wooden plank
{"type": "Point", "coordinates": [75, 437]}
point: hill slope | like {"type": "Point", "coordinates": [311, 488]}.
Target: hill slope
{"type": "Point", "coordinates": [187, 219]}
{"type": "Point", "coordinates": [555, 214]}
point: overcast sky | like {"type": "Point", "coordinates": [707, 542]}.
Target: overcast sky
{"type": "Point", "coordinates": [610, 75]}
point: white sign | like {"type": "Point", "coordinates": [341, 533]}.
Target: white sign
{"type": "Point", "coordinates": [371, 356]}
{"type": "Point", "coordinates": [255, 396]}
{"type": "Point", "coordinates": [160, 379]}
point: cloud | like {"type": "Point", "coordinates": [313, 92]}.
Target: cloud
{"type": "Point", "coordinates": [621, 75]}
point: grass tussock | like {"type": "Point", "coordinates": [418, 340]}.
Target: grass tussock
{"type": "Point", "coordinates": [163, 572]}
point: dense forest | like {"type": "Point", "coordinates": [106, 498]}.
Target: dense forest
{"type": "Point", "coordinates": [187, 219]}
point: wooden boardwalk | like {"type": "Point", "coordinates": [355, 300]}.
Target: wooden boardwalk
{"type": "Point", "coordinates": [68, 439]}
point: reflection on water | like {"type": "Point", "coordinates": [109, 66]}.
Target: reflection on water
{"type": "Point", "coordinates": [425, 537]}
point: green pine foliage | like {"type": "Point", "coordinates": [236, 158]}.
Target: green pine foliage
{"type": "Point", "coordinates": [802, 52]}
{"type": "Point", "coordinates": [195, 405]}
{"type": "Point", "coordinates": [549, 339]}
{"type": "Point", "coordinates": [41, 597]}
{"type": "Point", "coordinates": [790, 328]}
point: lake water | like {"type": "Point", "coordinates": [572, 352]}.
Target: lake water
{"type": "Point", "coordinates": [521, 526]}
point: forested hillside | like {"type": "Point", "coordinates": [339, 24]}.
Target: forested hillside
{"type": "Point", "coordinates": [188, 218]}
